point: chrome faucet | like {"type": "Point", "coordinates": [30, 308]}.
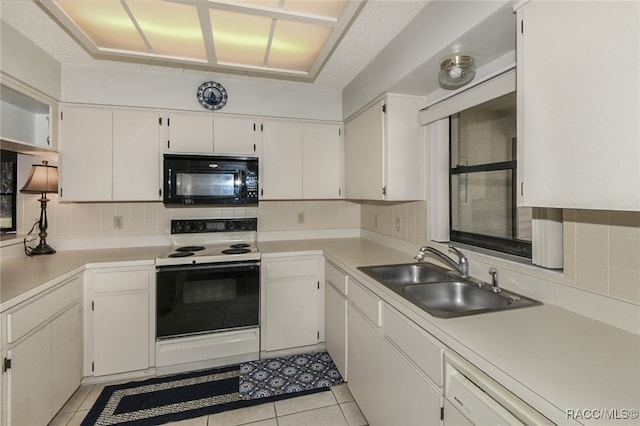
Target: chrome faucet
{"type": "Point", "coordinates": [494, 280]}
{"type": "Point", "coordinates": [462, 265]}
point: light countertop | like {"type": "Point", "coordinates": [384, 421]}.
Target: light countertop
{"type": "Point", "coordinates": [552, 358]}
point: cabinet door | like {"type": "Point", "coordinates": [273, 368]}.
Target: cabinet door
{"type": "Point", "coordinates": [120, 332]}
{"type": "Point", "coordinates": [292, 313]}
{"type": "Point", "coordinates": [66, 353]}
{"type": "Point", "coordinates": [364, 358]}
{"type": "Point", "coordinates": [578, 112]}
{"type": "Point", "coordinates": [136, 155]}
{"type": "Point", "coordinates": [364, 154]}
{"type": "Point", "coordinates": [281, 167]}
{"type": "Point", "coordinates": [235, 135]}
{"type": "Point", "coordinates": [190, 133]}
{"type": "Point", "coordinates": [335, 327]}
{"type": "Point", "coordinates": [85, 154]}
{"type": "Point", "coordinates": [30, 380]}
{"type": "Point", "coordinates": [322, 161]}
{"type": "Point", "coordinates": [420, 406]}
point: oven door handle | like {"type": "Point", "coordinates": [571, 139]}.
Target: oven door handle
{"type": "Point", "coordinates": [212, 266]}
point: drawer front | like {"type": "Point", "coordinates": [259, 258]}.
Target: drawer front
{"type": "Point", "coordinates": [36, 313]}
{"type": "Point", "coordinates": [422, 349]}
{"type": "Point", "coordinates": [365, 301]}
{"type": "Point", "coordinates": [292, 268]}
{"type": "Point", "coordinates": [336, 278]}
{"type": "Point", "coordinates": [111, 281]}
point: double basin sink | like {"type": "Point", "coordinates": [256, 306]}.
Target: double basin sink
{"type": "Point", "coordinates": [442, 293]}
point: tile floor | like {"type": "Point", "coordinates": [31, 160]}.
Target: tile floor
{"type": "Point", "coordinates": [334, 408]}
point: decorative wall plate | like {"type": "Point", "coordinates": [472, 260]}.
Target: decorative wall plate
{"type": "Point", "coordinates": [212, 95]}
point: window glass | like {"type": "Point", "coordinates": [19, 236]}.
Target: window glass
{"type": "Point", "coordinates": [8, 170]}
{"type": "Point", "coordinates": [483, 181]}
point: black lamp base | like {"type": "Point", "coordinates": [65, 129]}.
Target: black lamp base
{"type": "Point", "coordinates": [42, 248]}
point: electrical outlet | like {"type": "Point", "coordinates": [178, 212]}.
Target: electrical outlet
{"type": "Point", "coordinates": [398, 224]}
{"type": "Point", "coordinates": [118, 222]}
{"type": "Point", "coordinates": [301, 217]}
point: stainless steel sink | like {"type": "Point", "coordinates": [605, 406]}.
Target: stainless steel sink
{"type": "Point", "coordinates": [407, 273]}
{"type": "Point", "coordinates": [441, 293]}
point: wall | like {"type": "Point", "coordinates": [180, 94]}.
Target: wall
{"type": "Point", "coordinates": [176, 89]}
{"type": "Point", "coordinates": [22, 59]}
{"type": "Point", "coordinates": [404, 221]}
{"type": "Point", "coordinates": [420, 47]}
{"type": "Point", "coordinates": [602, 252]}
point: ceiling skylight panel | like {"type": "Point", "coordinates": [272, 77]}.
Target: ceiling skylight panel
{"type": "Point", "coordinates": [240, 39]}
{"type": "Point", "coordinates": [296, 45]}
{"type": "Point", "coordinates": [172, 29]}
{"type": "Point", "coordinates": [105, 22]}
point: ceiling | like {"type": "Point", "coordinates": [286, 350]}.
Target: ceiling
{"type": "Point", "coordinates": [369, 27]}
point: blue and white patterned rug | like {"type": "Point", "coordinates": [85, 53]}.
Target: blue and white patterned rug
{"type": "Point", "coordinates": [279, 376]}
{"type": "Point", "coordinates": [168, 399]}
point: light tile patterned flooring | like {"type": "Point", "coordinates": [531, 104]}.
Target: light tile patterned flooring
{"type": "Point", "coordinates": [334, 408]}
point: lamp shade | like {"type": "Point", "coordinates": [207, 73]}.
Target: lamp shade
{"type": "Point", "coordinates": [43, 179]}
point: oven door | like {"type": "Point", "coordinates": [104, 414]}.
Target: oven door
{"type": "Point", "coordinates": [206, 298]}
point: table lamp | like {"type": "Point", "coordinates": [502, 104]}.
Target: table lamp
{"type": "Point", "coordinates": [42, 180]}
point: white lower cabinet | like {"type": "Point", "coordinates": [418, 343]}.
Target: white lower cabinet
{"type": "Point", "coordinates": [42, 358]}
{"type": "Point", "coordinates": [395, 370]}
{"type": "Point", "coordinates": [292, 308]}
{"type": "Point", "coordinates": [119, 320]}
{"type": "Point", "coordinates": [335, 317]}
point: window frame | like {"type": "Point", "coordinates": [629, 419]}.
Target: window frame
{"type": "Point", "coordinates": [512, 246]}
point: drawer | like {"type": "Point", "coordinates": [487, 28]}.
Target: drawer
{"type": "Point", "coordinates": [425, 351]}
{"type": "Point", "coordinates": [365, 301]}
{"type": "Point", "coordinates": [110, 281]}
{"type": "Point", "coordinates": [336, 278]}
{"type": "Point", "coordinates": [33, 314]}
{"type": "Point", "coordinates": [291, 268]}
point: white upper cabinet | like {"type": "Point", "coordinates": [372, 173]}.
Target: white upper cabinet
{"type": "Point", "coordinates": [236, 135]}
{"type": "Point", "coordinates": [322, 161]}
{"type": "Point", "coordinates": [114, 158]}
{"type": "Point", "coordinates": [281, 165]}
{"type": "Point", "coordinates": [136, 155]}
{"type": "Point", "coordinates": [579, 104]}
{"type": "Point", "coordinates": [301, 160]}
{"type": "Point", "coordinates": [85, 154]}
{"type": "Point", "coordinates": [189, 132]}
{"type": "Point", "coordinates": [384, 151]}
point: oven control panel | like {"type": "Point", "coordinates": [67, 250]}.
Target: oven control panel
{"type": "Point", "coordinates": [193, 226]}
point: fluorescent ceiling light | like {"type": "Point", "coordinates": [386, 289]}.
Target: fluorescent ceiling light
{"type": "Point", "coordinates": [271, 38]}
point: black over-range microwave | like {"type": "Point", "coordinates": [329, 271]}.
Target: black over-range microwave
{"type": "Point", "coordinates": [210, 180]}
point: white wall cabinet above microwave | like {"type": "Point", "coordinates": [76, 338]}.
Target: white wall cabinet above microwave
{"type": "Point", "coordinates": [384, 151]}
{"type": "Point", "coordinates": [206, 134]}
{"type": "Point", "coordinates": [114, 158]}
{"type": "Point", "coordinates": [579, 104]}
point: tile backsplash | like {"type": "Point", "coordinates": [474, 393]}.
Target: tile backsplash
{"type": "Point", "coordinates": [97, 220]}
{"type": "Point", "coordinates": [602, 252]}
{"type": "Point", "coordinates": [601, 248]}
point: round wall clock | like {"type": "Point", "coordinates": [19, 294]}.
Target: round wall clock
{"type": "Point", "coordinates": [212, 95]}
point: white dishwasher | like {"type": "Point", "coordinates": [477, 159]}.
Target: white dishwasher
{"type": "Point", "coordinates": [473, 398]}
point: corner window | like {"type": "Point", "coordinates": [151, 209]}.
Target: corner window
{"type": "Point", "coordinates": [482, 179]}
